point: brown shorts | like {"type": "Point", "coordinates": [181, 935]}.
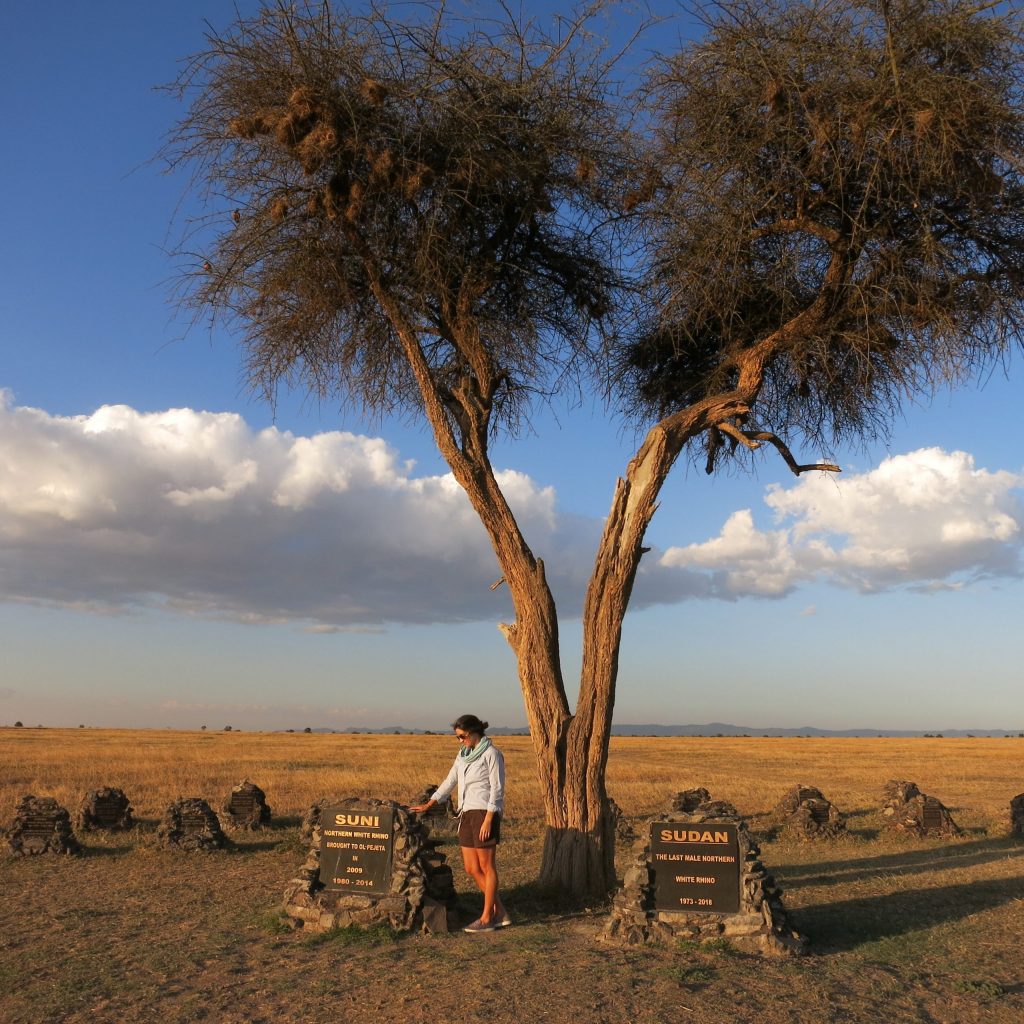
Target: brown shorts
{"type": "Point", "coordinates": [469, 829]}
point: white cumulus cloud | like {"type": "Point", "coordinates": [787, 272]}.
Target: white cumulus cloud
{"type": "Point", "coordinates": [929, 519]}
{"type": "Point", "coordinates": [197, 512]}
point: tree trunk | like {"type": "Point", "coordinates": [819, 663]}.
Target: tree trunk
{"type": "Point", "coordinates": [572, 749]}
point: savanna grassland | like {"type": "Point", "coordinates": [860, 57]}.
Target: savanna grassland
{"type": "Point", "coordinates": [899, 929]}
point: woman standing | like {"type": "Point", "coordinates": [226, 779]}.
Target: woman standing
{"type": "Point", "coordinates": [479, 771]}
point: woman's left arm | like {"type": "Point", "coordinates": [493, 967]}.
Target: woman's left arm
{"type": "Point", "coordinates": [496, 778]}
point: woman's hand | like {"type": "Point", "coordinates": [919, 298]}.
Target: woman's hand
{"type": "Point", "coordinates": [420, 808]}
{"type": "Point", "coordinates": [485, 827]}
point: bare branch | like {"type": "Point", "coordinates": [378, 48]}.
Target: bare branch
{"type": "Point", "coordinates": [752, 439]}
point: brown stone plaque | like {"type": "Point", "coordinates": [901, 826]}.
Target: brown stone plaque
{"type": "Point", "coordinates": [355, 850]}
{"type": "Point", "coordinates": [696, 867]}
{"type": "Point", "coordinates": [931, 815]}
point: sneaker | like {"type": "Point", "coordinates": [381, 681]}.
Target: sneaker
{"type": "Point", "coordinates": [480, 926]}
{"type": "Point", "coordinates": [505, 922]}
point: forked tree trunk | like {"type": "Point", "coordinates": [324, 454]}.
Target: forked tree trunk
{"type": "Point", "coordinates": [579, 845]}
{"type": "Point", "coordinates": [572, 749]}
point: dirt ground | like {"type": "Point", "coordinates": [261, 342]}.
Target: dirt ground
{"type": "Point", "coordinates": [130, 932]}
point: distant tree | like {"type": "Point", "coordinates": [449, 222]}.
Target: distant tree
{"type": "Point", "coordinates": [307, 729]}
{"type": "Point", "coordinates": [203, 728]}
{"type": "Point", "coordinates": [227, 728]}
{"type": "Point", "coordinates": [817, 215]}
{"type": "Point", "coordinates": [19, 725]}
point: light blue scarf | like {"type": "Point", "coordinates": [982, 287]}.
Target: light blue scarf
{"type": "Point", "coordinates": [469, 756]}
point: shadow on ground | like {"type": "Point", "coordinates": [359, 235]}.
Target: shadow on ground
{"type": "Point", "coordinates": [947, 857]}
{"type": "Point", "coordinates": [847, 924]}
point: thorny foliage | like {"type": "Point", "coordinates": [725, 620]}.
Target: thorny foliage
{"type": "Point", "coordinates": [376, 175]}
{"type": "Point", "coordinates": [840, 190]}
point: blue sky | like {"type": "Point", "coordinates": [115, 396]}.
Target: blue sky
{"type": "Point", "coordinates": [174, 552]}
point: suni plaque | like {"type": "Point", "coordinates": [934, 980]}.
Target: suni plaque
{"type": "Point", "coordinates": [696, 867]}
{"type": "Point", "coordinates": [355, 850]}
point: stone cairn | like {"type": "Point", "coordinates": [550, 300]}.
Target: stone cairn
{"type": "Point", "coordinates": [688, 800]}
{"type": "Point", "coordinates": [805, 812]}
{"type": "Point", "coordinates": [624, 832]}
{"type": "Point", "coordinates": [41, 825]}
{"type": "Point", "coordinates": [443, 816]}
{"type": "Point", "coordinates": [421, 893]}
{"type": "Point", "coordinates": [907, 809]}
{"type": "Point", "coordinates": [246, 807]}
{"type": "Point", "coordinates": [760, 926]}
{"type": "Point", "coordinates": [1017, 816]}
{"type": "Point", "coordinates": [105, 810]}
{"type": "Point", "coordinates": [311, 820]}
{"type": "Point", "coordinates": [191, 824]}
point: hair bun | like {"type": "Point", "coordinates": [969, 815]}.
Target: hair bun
{"type": "Point", "coordinates": [471, 724]}
{"type": "Point", "coordinates": [485, 725]}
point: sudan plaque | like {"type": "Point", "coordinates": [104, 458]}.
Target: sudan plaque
{"type": "Point", "coordinates": [355, 850]}
{"type": "Point", "coordinates": [696, 867]}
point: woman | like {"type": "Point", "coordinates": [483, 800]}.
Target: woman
{"type": "Point", "coordinates": [479, 771]}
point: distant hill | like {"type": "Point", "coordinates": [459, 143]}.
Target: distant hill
{"type": "Point", "coordinates": [725, 729]}
{"type": "Point", "coordinates": [709, 729]}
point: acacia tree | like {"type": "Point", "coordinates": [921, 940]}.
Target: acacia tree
{"type": "Point", "coordinates": [436, 218]}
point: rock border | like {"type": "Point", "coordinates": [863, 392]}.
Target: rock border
{"type": "Point", "coordinates": [806, 813]}
{"type": "Point", "coordinates": [173, 833]}
{"type": "Point", "coordinates": [41, 826]}
{"type": "Point", "coordinates": [90, 818]}
{"type": "Point", "coordinates": [256, 818]}
{"type": "Point", "coordinates": [422, 891]}
{"type": "Point", "coordinates": [906, 809]}
{"type": "Point", "coordinates": [761, 926]}
{"type": "Point", "coordinates": [1017, 815]}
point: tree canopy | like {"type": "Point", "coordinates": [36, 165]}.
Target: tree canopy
{"type": "Point", "coordinates": [841, 202]}
{"type": "Point", "coordinates": [428, 176]}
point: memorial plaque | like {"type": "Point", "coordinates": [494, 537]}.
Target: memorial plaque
{"type": "Point", "coordinates": [696, 867]}
{"type": "Point", "coordinates": [819, 811]}
{"type": "Point", "coordinates": [355, 850]}
{"type": "Point", "coordinates": [931, 816]}
{"type": "Point", "coordinates": [242, 805]}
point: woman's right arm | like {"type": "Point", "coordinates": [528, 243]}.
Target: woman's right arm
{"type": "Point", "coordinates": [441, 794]}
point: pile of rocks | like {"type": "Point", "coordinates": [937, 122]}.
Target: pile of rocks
{"type": "Point", "coordinates": [907, 809]}
{"type": "Point", "coordinates": [442, 816]}
{"type": "Point", "coordinates": [760, 925]}
{"type": "Point", "coordinates": [421, 891]}
{"type": "Point", "coordinates": [41, 825]}
{"type": "Point", "coordinates": [246, 807]}
{"type": "Point", "coordinates": [311, 820]}
{"type": "Point", "coordinates": [624, 832]}
{"type": "Point", "coordinates": [191, 824]}
{"type": "Point", "coordinates": [106, 809]}
{"type": "Point", "coordinates": [689, 800]}
{"type": "Point", "coordinates": [1017, 815]}
{"type": "Point", "coordinates": [806, 812]}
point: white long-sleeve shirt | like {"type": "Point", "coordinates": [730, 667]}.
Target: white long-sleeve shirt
{"type": "Point", "coordinates": [481, 782]}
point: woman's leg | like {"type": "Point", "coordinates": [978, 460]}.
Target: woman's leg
{"type": "Point", "coordinates": [493, 909]}
{"type": "Point", "coordinates": [471, 862]}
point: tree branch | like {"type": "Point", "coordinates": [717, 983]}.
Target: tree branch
{"type": "Point", "coordinates": [752, 439]}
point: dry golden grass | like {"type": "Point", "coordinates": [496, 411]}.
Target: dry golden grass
{"type": "Point", "coordinates": [900, 929]}
{"type": "Point", "coordinates": [976, 777]}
